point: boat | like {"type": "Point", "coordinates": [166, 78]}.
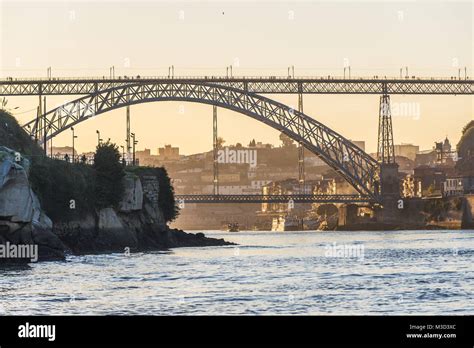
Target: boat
{"type": "Point", "coordinates": [285, 223]}
{"type": "Point", "coordinates": [232, 227]}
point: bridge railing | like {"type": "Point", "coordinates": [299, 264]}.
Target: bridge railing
{"type": "Point", "coordinates": [127, 78]}
{"type": "Point", "coordinates": [272, 198]}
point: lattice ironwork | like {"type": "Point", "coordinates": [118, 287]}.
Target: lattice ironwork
{"type": "Point", "coordinates": [301, 176]}
{"type": "Point", "coordinates": [385, 148]}
{"type": "Point", "coordinates": [273, 199]}
{"type": "Point", "coordinates": [262, 85]}
{"type": "Point", "coordinates": [215, 149]}
{"type": "Point", "coordinates": [352, 163]}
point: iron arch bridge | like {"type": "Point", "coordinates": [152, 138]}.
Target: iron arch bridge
{"type": "Point", "coordinates": [352, 163]}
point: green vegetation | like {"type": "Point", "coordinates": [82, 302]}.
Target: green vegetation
{"type": "Point", "coordinates": [166, 198]}
{"type": "Point", "coordinates": [465, 149]}
{"type": "Point", "coordinates": [437, 209]}
{"type": "Point", "coordinates": [327, 210]}
{"type": "Point", "coordinates": [14, 137]}
{"type": "Point", "coordinates": [65, 190]}
{"type": "Point", "coordinates": [109, 174]}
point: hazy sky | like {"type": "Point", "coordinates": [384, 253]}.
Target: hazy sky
{"type": "Point", "coordinates": [83, 38]}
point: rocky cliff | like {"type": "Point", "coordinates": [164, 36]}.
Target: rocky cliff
{"type": "Point", "coordinates": [137, 224]}
{"type": "Point", "coordinates": [22, 221]}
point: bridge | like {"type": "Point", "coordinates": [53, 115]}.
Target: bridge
{"type": "Point", "coordinates": [245, 95]}
{"type": "Point", "coordinates": [285, 199]}
{"type": "Point", "coordinates": [263, 85]}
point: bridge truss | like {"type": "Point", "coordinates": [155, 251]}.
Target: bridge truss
{"type": "Point", "coordinates": [261, 85]}
{"type": "Point", "coordinates": [284, 199]}
{"type": "Point", "coordinates": [352, 163]}
{"type": "Point", "coordinates": [241, 95]}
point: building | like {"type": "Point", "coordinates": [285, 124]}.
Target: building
{"type": "Point", "coordinates": [407, 150]}
{"type": "Point", "coordinates": [458, 185]}
{"type": "Point", "coordinates": [145, 158]}
{"type": "Point", "coordinates": [453, 186]}
{"type": "Point", "coordinates": [223, 177]}
{"type": "Point", "coordinates": [411, 187]}
{"type": "Point", "coordinates": [405, 165]}
{"type": "Point", "coordinates": [444, 153]}
{"type": "Point", "coordinates": [425, 158]}
{"type": "Point", "coordinates": [168, 153]}
{"type": "Point", "coordinates": [430, 180]}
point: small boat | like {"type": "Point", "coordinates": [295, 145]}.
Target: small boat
{"type": "Point", "coordinates": [285, 223]}
{"type": "Point", "coordinates": [233, 227]}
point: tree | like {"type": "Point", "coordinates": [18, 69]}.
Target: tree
{"type": "Point", "coordinates": [465, 148]}
{"type": "Point", "coordinates": [166, 197]}
{"type": "Point", "coordinates": [252, 143]}
{"type": "Point", "coordinates": [286, 140]}
{"type": "Point", "coordinates": [220, 142]}
{"type": "Point", "coordinates": [327, 210]}
{"type": "Point", "coordinates": [109, 174]}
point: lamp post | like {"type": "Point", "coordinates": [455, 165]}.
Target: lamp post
{"type": "Point", "coordinates": [73, 137]}
{"type": "Point", "coordinates": [123, 154]}
{"type": "Point", "coordinates": [134, 143]}
{"type": "Point", "coordinates": [98, 137]}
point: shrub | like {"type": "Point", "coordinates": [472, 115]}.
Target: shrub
{"type": "Point", "coordinates": [109, 187]}
{"type": "Point", "coordinates": [65, 190]}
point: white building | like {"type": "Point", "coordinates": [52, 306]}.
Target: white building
{"type": "Point", "coordinates": [453, 187]}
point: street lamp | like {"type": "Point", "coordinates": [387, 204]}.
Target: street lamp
{"type": "Point", "coordinates": [73, 137]}
{"type": "Point", "coordinates": [98, 137]}
{"type": "Point", "coordinates": [123, 153]}
{"type": "Point", "coordinates": [134, 143]}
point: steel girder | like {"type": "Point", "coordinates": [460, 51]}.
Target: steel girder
{"type": "Point", "coordinates": [262, 85]}
{"type": "Point", "coordinates": [273, 199]}
{"type": "Point", "coordinates": [352, 163]}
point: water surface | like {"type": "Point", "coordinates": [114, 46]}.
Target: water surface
{"type": "Point", "coordinates": [403, 272]}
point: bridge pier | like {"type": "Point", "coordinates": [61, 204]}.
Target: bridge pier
{"type": "Point", "coordinates": [347, 214]}
{"type": "Point", "coordinates": [390, 192]}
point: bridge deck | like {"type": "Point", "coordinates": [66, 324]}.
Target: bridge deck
{"type": "Point", "coordinates": [268, 85]}
{"type": "Point", "coordinates": [273, 199]}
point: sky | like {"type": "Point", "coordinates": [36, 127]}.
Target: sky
{"type": "Point", "coordinates": [318, 38]}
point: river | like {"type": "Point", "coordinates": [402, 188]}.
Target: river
{"type": "Point", "coordinates": [402, 272]}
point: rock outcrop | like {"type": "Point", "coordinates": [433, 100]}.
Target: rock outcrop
{"type": "Point", "coordinates": [22, 222]}
{"type": "Point", "coordinates": [136, 225]}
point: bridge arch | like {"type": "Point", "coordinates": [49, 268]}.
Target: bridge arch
{"type": "Point", "coordinates": [351, 162]}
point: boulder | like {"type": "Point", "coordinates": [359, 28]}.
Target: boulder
{"type": "Point", "coordinates": [50, 246]}
{"type": "Point", "coordinates": [22, 221]}
{"type": "Point", "coordinates": [16, 199]}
